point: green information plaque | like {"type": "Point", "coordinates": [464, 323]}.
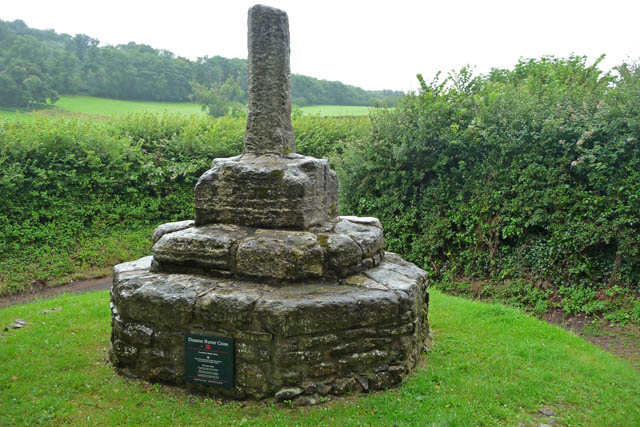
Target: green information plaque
{"type": "Point", "coordinates": [208, 360]}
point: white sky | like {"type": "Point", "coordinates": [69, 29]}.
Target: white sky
{"type": "Point", "coordinates": [368, 43]}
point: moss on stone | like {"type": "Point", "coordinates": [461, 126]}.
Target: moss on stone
{"type": "Point", "coordinates": [314, 268]}
{"type": "Point", "coordinates": [276, 175]}
{"type": "Point", "coordinates": [323, 240]}
{"type": "Point", "coordinates": [333, 210]}
{"type": "Point", "coordinates": [356, 280]}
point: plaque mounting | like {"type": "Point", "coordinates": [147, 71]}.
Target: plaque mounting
{"type": "Point", "coordinates": [208, 360]}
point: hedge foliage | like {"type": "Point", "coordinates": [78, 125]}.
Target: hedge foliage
{"type": "Point", "coordinates": [527, 174]}
{"type": "Point", "coordinates": [523, 184]}
{"type": "Point", "coordinates": [63, 181]}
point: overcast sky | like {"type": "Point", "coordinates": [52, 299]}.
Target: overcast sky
{"type": "Point", "coordinates": [368, 43]}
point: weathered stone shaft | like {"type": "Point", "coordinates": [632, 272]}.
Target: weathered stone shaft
{"type": "Point", "coordinates": [269, 129]}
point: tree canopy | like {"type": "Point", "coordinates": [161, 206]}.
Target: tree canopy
{"type": "Point", "coordinates": [38, 65]}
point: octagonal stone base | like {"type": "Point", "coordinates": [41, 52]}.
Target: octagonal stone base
{"type": "Point", "coordinates": [294, 342]}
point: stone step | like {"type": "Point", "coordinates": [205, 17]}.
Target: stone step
{"type": "Point", "coordinates": [343, 247]}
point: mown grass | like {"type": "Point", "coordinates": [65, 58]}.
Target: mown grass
{"type": "Point", "coordinates": [489, 365]}
{"type": "Point", "coordinates": [92, 106]}
{"type": "Point", "coordinates": [336, 110]}
{"type": "Point", "coordinates": [108, 107]}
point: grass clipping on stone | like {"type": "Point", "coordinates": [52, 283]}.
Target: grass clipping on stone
{"type": "Point", "coordinates": [488, 365]}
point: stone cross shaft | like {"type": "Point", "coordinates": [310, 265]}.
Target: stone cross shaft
{"type": "Point", "coordinates": [269, 129]}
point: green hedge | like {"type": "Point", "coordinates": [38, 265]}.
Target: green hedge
{"type": "Point", "coordinates": [522, 185]}
{"type": "Point", "coordinates": [66, 181]}
{"type": "Point", "coordinates": [526, 181]}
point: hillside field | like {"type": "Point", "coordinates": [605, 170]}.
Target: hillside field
{"type": "Point", "coordinates": [109, 107]}
{"type": "Point", "coordinates": [7, 114]}
{"type": "Point", "coordinates": [89, 105]}
{"type": "Point", "coordinates": [336, 110]}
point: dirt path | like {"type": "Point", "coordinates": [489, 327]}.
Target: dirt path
{"type": "Point", "coordinates": [624, 341]}
{"type": "Point", "coordinates": [77, 287]}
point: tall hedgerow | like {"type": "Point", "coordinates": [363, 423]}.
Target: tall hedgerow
{"type": "Point", "coordinates": [526, 174]}
{"type": "Point", "coordinates": [66, 182]}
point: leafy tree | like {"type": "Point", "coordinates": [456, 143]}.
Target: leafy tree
{"type": "Point", "coordinates": [11, 94]}
{"type": "Point", "coordinates": [24, 82]}
{"type": "Point", "coordinates": [81, 44]}
{"type": "Point", "coordinates": [219, 100]}
{"type": "Point", "coordinates": [66, 72]}
{"type": "Point", "coordinates": [38, 92]}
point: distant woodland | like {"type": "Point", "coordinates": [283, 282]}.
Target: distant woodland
{"type": "Point", "coordinates": [36, 66]}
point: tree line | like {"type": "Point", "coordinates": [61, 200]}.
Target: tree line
{"type": "Point", "coordinates": [37, 66]}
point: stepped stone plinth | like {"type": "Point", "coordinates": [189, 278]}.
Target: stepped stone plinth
{"type": "Point", "coordinates": [268, 293]}
{"type": "Point", "coordinates": [346, 245]}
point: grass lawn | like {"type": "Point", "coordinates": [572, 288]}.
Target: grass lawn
{"type": "Point", "coordinates": [336, 110]}
{"type": "Point", "coordinates": [488, 365]}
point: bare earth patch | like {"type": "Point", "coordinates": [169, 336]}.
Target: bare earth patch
{"type": "Point", "coordinates": [39, 290]}
{"type": "Point", "coordinates": [623, 341]}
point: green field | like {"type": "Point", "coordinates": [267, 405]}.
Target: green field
{"type": "Point", "coordinates": [336, 110]}
{"type": "Point", "coordinates": [488, 365]}
{"type": "Point", "coordinates": [108, 107]}
{"type": "Point", "coordinates": [12, 115]}
{"type": "Point", "coordinates": [90, 105]}
{"type": "Point", "coordinates": [104, 106]}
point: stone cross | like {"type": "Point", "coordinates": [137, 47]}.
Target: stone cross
{"type": "Point", "coordinates": [269, 129]}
